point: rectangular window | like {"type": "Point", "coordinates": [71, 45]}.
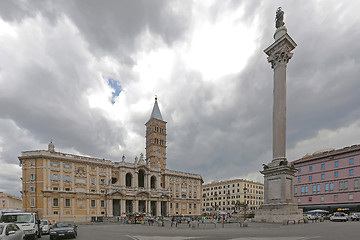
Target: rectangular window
{"type": "Point", "coordinates": [356, 184]}
{"type": "Point", "coordinates": [345, 185]}
{"type": "Point", "coordinates": [295, 190]}
{"type": "Point", "coordinates": [55, 202]}
{"type": "Point", "coordinates": [331, 187]}
{"type": "Point", "coordinates": [170, 205]}
{"type": "Point", "coordinates": [102, 181]}
{"type": "Point", "coordinates": [67, 189]}
{"type": "Point", "coordinates": [310, 199]}
{"type": "Point", "coordinates": [177, 205]}
{"type": "Point", "coordinates": [310, 178]}
{"type": "Point", "coordinates": [194, 205]}
{"type": "Point", "coordinates": [322, 176]}
{"type": "Point", "coordinates": [336, 164]}
{"type": "Point", "coordinates": [67, 178]}
{"type": "Point", "coordinates": [335, 198]}
{"type": "Point", "coordinates": [306, 189]}
{"type": "Point", "coordinates": [92, 181]}
{"type": "Point", "coordinates": [351, 172]}
{"type": "Point", "coordinates": [327, 187]}
{"type": "Point", "coordinates": [298, 200]}
{"type": "Point", "coordinates": [55, 189]}
{"type": "Point", "coordinates": [318, 188]}
{"type": "Point", "coordinates": [314, 188]}
{"type": "Point", "coordinates": [322, 198]}
{"type": "Point", "coordinates": [55, 164]}
{"type": "Point", "coordinates": [299, 170]}
{"type": "Point", "coordinates": [92, 203]}
{"type": "Point", "coordinates": [302, 190]}
{"type": "Point", "coordinates": [336, 174]}
{"type": "Point", "coordinates": [67, 165]}
{"type": "Point", "coordinates": [351, 161]}
{"type": "Point", "coordinates": [32, 189]}
{"type": "Point", "coordinates": [102, 203]}
{"type": "Point", "coordinates": [189, 205]}
{"type": "Point", "coordinates": [55, 177]}
{"type": "Point", "coordinates": [32, 176]}
{"type": "Point", "coordinates": [299, 180]}
{"type": "Point", "coordinates": [323, 166]}
{"type": "Point", "coordinates": [67, 202]}
{"type": "Point", "coordinates": [340, 186]}
{"type": "Point", "coordinates": [310, 168]}
{"type": "Point", "coordinates": [32, 202]}
{"type": "Point", "coordinates": [351, 197]}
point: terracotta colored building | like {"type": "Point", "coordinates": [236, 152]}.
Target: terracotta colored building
{"type": "Point", "coordinates": [328, 180]}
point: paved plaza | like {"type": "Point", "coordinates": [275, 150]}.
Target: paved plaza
{"type": "Point", "coordinates": [255, 231]}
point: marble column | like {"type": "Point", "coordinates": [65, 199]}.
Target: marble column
{"type": "Point", "coordinates": [278, 174]}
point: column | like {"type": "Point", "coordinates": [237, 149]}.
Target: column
{"type": "Point", "coordinates": [148, 206]}
{"type": "Point", "coordinates": [279, 104]}
{"type": "Point", "coordinates": [122, 177]}
{"type": "Point", "coordinates": [136, 205]}
{"type": "Point", "coordinates": [122, 206]}
{"type": "Point", "coordinates": [135, 178]}
{"type": "Point", "coordinates": [158, 208]}
{"type": "Point", "coordinates": [109, 208]}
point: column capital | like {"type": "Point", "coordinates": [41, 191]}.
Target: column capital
{"type": "Point", "coordinates": [280, 57]}
{"type": "Point", "coordinates": [279, 53]}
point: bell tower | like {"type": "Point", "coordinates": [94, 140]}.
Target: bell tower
{"type": "Point", "coordinates": [156, 138]}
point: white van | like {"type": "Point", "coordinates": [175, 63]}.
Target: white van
{"type": "Point", "coordinates": [26, 221]}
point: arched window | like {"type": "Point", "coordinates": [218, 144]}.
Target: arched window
{"type": "Point", "coordinates": [128, 179]}
{"type": "Point", "coordinates": [153, 182]}
{"type": "Point", "coordinates": [141, 178]}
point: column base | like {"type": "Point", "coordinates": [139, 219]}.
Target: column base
{"type": "Point", "coordinates": [278, 213]}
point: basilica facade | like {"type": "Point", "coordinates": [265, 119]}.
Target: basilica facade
{"type": "Point", "coordinates": [61, 186]}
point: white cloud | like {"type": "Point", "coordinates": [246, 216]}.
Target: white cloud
{"type": "Point", "coordinates": [326, 139]}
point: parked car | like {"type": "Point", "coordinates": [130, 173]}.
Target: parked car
{"type": "Point", "coordinates": [45, 226]}
{"type": "Point", "coordinates": [339, 216]}
{"type": "Point", "coordinates": [28, 222]}
{"type": "Point", "coordinates": [10, 231]}
{"type": "Point", "coordinates": [355, 216]}
{"type": "Point", "coordinates": [63, 230]}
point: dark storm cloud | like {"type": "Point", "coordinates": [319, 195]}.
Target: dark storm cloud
{"type": "Point", "coordinates": [113, 25]}
{"type": "Point", "coordinates": [110, 26]}
{"type": "Point", "coordinates": [322, 94]}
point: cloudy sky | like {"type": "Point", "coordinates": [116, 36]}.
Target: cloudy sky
{"type": "Point", "coordinates": [85, 73]}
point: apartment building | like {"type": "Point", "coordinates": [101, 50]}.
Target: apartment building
{"type": "Point", "coordinates": [328, 180]}
{"type": "Point", "coordinates": [228, 196]}
{"type": "Point", "coordinates": [8, 201]}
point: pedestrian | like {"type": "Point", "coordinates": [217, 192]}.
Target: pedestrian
{"type": "Point", "coordinates": [172, 221]}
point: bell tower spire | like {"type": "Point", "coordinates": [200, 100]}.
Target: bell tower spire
{"type": "Point", "coordinates": [156, 138]}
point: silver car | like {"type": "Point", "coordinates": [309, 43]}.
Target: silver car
{"type": "Point", "coordinates": [10, 231]}
{"type": "Point", "coordinates": [45, 226]}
